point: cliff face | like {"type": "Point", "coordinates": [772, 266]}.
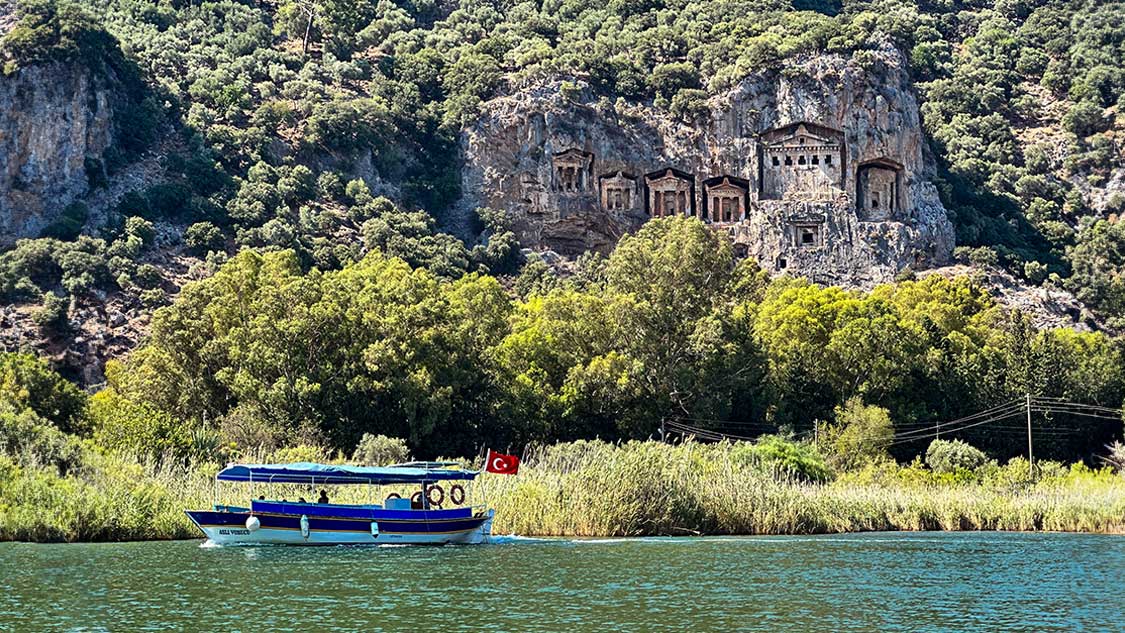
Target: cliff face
{"type": "Point", "coordinates": [819, 170]}
{"type": "Point", "coordinates": [52, 118]}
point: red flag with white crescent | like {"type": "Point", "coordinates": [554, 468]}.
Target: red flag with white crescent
{"type": "Point", "coordinates": [501, 464]}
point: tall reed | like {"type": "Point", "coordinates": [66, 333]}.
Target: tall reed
{"type": "Point", "coordinates": [647, 488]}
{"type": "Point", "coordinates": [589, 489]}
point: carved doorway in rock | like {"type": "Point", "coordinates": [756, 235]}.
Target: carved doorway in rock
{"type": "Point", "coordinates": [878, 190]}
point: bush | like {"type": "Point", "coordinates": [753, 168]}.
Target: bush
{"type": "Point", "coordinates": [1035, 272]}
{"type": "Point", "coordinates": [142, 229]}
{"type": "Point", "coordinates": [861, 434]}
{"type": "Point", "coordinates": [69, 223]}
{"type": "Point", "coordinates": [380, 450]}
{"type": "Point", "coordinates": [203, 237]}
{"type": "Point", "coordinates": [52, 315]}
{"type": "Point", "coordinates": [1085, 118]}
{"type": "Point", "coordinates": [799, 459]}
{"type": "Point", "coordinates": [27, 382]}
{"type": "Point", "coordinates": [32, 441]}
{"type": "Point", "coordinates": [299, 453]}
{"type": "Point", "coordinates": [945, 456]}
{"type": "Point", "coordinates": [142, 431]}
{"type": "Point", "coordinates": [147, 276]}
{"type": "Point", "coordinates": [54, 31]}
{"type": "Point", "coordinates": [690, 104]}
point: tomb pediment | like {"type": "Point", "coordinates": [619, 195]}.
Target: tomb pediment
{"type": "Point", "coordinates": [801, 135]}
{"type": "Point", "coordinates": [670, 178]}
{"type": "Point", "coordinates": [618, 179]}
{"type": "Point", "coordinates": [726, 185]}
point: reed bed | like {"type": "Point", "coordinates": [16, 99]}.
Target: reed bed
{"type": "Point", "coordinates": [647, 488]}
{"type": "Point", "coordinates": [588, 489]}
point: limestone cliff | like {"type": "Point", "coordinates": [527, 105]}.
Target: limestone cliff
{"type": "Point", "coordinates": [820, 170]}
{"type": "Point", "coordinates": [53, 117]}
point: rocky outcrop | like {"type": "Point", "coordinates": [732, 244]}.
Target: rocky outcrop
{"type": "Point", "coordinates": [53, 117]}
{"type": "Point", "coordinates": [819, 170]}
{"type": "Point", "coordinates": [1047, 306]}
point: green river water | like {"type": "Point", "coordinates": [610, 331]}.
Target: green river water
{"type": "Point", "coordinates": [865, 582]}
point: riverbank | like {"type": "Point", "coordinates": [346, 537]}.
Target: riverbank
{"type": "Point", "coordinates": [599, 489]}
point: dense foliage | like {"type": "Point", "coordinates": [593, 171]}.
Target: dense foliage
{"type": "Point", "coordinates": [308, 160]}
{"type": "Point", "coordinates": [281, 106]}
{"type": "Point", "coordinates": [668, 329]}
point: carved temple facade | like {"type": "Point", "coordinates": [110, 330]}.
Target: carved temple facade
{"type": "Point", "coordinates": [796, 179]}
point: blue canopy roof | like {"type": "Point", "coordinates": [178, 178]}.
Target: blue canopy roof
{"type": "Point", "coordinates": [310, 473]}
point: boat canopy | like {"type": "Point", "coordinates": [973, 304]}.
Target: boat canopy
{"type": "Point", "coordinates": [333, 474]}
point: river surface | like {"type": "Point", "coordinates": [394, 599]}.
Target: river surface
{"type": "Point", "coordinates": [865, 582]}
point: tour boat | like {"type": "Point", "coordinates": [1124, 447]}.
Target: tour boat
{"type": "Point", "coordinates": [429, 516]}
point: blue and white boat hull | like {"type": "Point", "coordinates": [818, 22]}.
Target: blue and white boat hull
{"type": "Point", "coordinates": [237, 528]}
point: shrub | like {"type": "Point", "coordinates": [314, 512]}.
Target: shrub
{"type": "Point", "coordinates": [32, 441]}
{"type": "Point", "coordinates": [860, 435]}
{"type": "Point", "coordinates": [57, 31]}
{"type": "Point", "coordinates": [147, 276]}
{"type": "Point", "coordinates": [52, 314]}
{"type": "Point", "coordinates": [1084, 118]}
{"type": "Point", "coordinates": [141, 228]}
{"type": "Point", "coordinates": [1115, 457]}
{"type": "Point", "coordinates": [380, 450]}
{"type": "Point", "coordinates": [984, 256]}
{"type": "Point", "coordinates": [690, 104]}
{"type": "Point", "coordinates": [203, 237]}
{"type": "Point", "coordinates": [69, 223]}
{"type": "Point", "coordinates": [799, 459]}
{"type": "Point", "coordinates": [299, 453]}
{"type": "Point", "coordinates": [1035, 272]}
{"type": "Point", "coordinates": [143, 431]}
{"type": "Point", "coordinates": [153, 297]}
{"type": "Point", "coordinates": [27, 382]}
{"type": "Point", "coordinates": [949, 456]}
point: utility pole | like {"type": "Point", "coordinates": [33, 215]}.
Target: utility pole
{"type": "Point", "coordinates": [1030, 454]}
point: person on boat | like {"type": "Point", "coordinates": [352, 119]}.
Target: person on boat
{"type": "Point", "coordinates": [261, 497]}
{"type": "Point", "coordinates": [323, 497]}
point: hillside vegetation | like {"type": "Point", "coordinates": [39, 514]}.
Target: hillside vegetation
{"type": "Point", "coordinates": [310, 301]}
{"type": "Point", "coordinates": [263, 361]}
{"type": "Point", "coordinates": [293, 117]}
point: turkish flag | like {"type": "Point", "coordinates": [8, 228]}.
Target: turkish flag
{"type": "Point", "coordinates": [501, 464]}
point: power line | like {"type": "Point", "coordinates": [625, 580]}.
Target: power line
{"type": "Point", "coordinates": [896, 442]}
{"type": "Point", "coordinates": [992, 414]}
{"type": "Point", "coordinates": [921, 431]}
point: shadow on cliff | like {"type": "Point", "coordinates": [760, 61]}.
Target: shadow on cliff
{"type": "Point", "coordinates": [983, 218]}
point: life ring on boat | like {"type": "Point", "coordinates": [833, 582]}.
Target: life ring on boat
{"type": "Point", "coordinates": [393, 495]}
{"type": "Point", "coordinates": [416, 500]}
{"type": "Point", "coordinates": [457, 494]}
{"type": "Point", "coordinates": [430, 496]}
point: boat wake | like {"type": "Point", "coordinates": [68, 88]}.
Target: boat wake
{"type": "Point", "coordinates": [512, 539]}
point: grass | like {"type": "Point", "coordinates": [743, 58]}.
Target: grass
{"type": "Point", "coordinates": [644, 488]}
{"type": "Point", "coordinates": [598, 489]}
